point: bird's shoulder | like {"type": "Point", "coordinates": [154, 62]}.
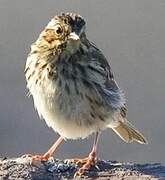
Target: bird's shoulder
{"type": "Point", "coordinates": [109, 88]}
{"type": "Point", "coordinates": [100, 60]}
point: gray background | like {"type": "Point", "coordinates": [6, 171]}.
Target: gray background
{"type": "Point", "coordinates": [131, 33]}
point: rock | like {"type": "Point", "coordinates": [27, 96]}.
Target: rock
{"type": "Point", "coordinates": [53, 169]}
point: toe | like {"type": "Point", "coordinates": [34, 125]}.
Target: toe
{"type": "Point", "coordinates": [86, 165]}
{"type": "Point", "coordinates": [78, 161]}
{"type": "Point", "coordinates": [39, 158]}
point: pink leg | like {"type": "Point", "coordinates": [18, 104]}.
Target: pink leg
{"type": "Point", "coordinates": [89, 161]}
{"type": "Point", "coordinates": [48, 154]}
{"type": "Point", "coordinates": [53, 148]}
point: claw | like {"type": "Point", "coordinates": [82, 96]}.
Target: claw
{"type": "Point", "coordinates": [36, 157]}
{"type": "Point", "coordinates": [78, 174]}
{"type": "Point", "coordinates": [39, 158]}
{"type": "Point", "coordinates": [78, 161]}
{"type": "Point", "coordinates": [36, 160]}
{"type": "Point", "coordinates": [85, 164]}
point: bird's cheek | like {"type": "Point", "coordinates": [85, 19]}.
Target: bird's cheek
{"type": "Point", "coordinates": [55, 44]}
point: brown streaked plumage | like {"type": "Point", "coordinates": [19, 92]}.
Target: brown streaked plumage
{"type": "Point", "coordinates": [73, 87]}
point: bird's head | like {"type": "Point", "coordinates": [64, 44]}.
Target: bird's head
{"type": "Point", "coordinates": [64, 31]}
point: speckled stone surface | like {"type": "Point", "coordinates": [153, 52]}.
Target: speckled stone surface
{"type": "Point", "coordinates": [20, 168]}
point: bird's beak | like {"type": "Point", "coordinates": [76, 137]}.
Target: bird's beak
{"type": "Point", "coordinates": [74, 37]}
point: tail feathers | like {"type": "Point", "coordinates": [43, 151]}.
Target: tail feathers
{"type": "Point", "coordinates": [126, 132]}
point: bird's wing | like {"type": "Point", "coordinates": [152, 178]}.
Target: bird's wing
{"type": "Point", "coordinates": [105, 82]}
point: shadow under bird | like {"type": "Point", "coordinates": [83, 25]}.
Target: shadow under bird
{"type": "Point", "coordinates": [73, 87]}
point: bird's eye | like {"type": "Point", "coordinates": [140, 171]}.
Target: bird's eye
{"type": "Point", "coordinates": [58, 30]}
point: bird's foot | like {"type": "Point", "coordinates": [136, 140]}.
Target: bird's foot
{"type": "Point", "coordinates": [35, 159]}
{"type": "Point", "coordinates": [85, 164]}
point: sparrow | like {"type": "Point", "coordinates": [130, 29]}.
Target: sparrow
{"type": "Point", "coordinates": [74, 89]}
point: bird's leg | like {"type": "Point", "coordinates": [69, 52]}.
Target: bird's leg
{"type": "Point", "coordinates": [89, 161]}
{"type": "Point", "coordinates": [48, 154]}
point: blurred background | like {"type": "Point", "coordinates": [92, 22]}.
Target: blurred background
{"type": "Point", "coordinates": [131, 33]}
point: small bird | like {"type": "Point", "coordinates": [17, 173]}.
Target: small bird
{"type": "Point", "coordinates": [74, 89]}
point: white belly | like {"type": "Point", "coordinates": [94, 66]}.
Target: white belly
{"type": "Point", "coordinates": [71, 123]}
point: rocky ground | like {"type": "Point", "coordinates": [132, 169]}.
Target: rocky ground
{"type": "Point", "coordinates": [20, 168]}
